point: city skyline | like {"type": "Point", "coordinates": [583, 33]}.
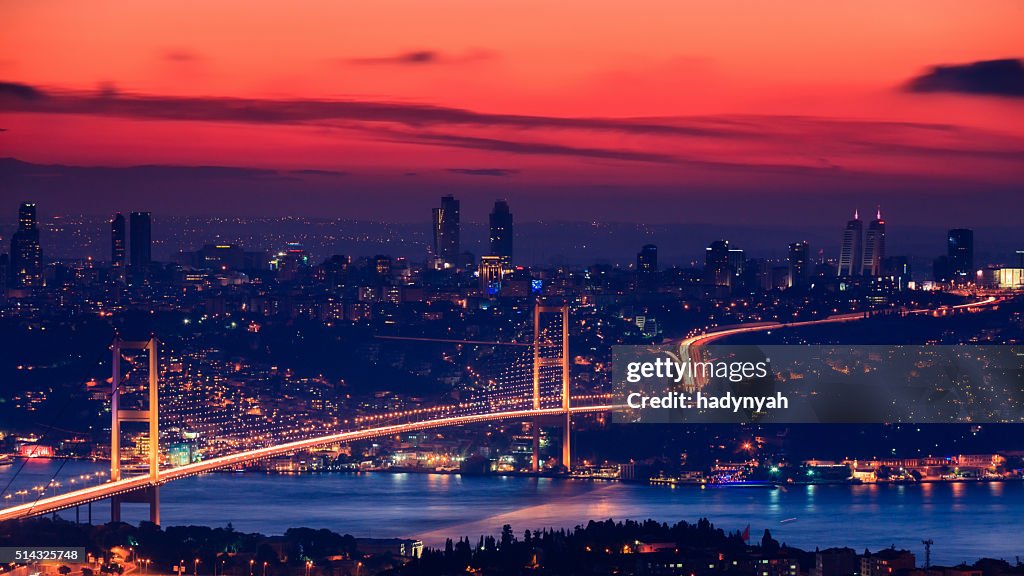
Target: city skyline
{"type": "Point", "coordinates": [858, 254]}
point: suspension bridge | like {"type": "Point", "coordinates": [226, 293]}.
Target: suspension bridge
{"type": "Point", "coordinates": [550, 365]}
{"type": "Point", "coordinates": [545, 395]}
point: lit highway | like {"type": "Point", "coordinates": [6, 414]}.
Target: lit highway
{"type": "Point", "coordinates": [708, 337]}
{"type": "Point", "coordinates": [103, 491]}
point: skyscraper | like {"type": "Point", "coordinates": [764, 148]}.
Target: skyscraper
{"type": "Point", "coordinates": [960, 251]}
{"type": "Point", "coordinates": [141, 247]}
{"type": "Point", "coordinates": [647, 261]}
{"type": "Point", "coordinates": [446, 232]}
{"type": "Point", "coordinates": [118, 245]}
{"type": "Point", "coordinates": [850, 256]}
{"type": "Point", "coordinates": [874, 246]}
{"type": "Point", "coordinates": [501, 230]}
{"type": "Point", "coordinates": [26, 252]}
{"type": "Point", "coordinates": [799, 263]}
{"type": "Point", "coordinates": [717, 270]}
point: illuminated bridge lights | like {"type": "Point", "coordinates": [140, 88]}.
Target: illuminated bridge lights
{"type": "Point", "coordinates": [123, 486]}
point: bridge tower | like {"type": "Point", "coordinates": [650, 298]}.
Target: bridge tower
{"type": "Point", "coordinates": [150, 416]}
{"type": "Point", "coordinates": [561, 360]}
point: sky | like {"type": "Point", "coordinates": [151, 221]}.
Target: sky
{"type": "Point", "coordinates": [730, 112]}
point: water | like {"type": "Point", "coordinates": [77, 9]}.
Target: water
{"type": "Point", "coordinates": [966, 520]}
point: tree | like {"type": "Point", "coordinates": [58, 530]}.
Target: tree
{"type": "Point", "coordinates": [507, 537]}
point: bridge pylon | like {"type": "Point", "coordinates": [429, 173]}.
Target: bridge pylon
{"type": "Point", "coordinates": [539, 362]}
{"type": "Point", "coordinates": [150, 416]}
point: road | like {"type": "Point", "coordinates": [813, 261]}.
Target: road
{"type": "Point", "coordinates": [708, 337]}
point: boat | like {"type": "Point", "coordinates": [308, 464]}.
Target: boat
{"type": "Point", "coordinates": [744, 484]}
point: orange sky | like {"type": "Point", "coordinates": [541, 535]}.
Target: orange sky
{"type": "Point", "coordinates": [809, 86]}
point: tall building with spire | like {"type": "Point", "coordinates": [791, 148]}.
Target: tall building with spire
{"type": "Point", "coordinates": [26, 252]}
{"type": "Point", "coordinates": [501, 230]}
{"type": "Point", "coordinates": [446, 232]}
{"type": "Point", "coordinates": [874, 246]}
{"type": "Point", "coordinates": [850, 255]}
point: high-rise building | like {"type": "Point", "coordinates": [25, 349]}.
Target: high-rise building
{"type": "Point", "coordinates": [717, 270]}
{"type": "Point", "coordinates": [647, 261]}
{"type": "Point", "coordinates": [382, 264]}
{"type": "Point", "coordinates": [874, 246]}
{"type": "Point", "coordinates": [737, 261]}
{"type": "Point", "coordinates": [26, 252]}
{"type": "Point", "coordinates": [446, 232]}
{"type": "Point", "coordinates": [799, 263]}
{"type": "Point", "coordinates": [850, 256]}
{"type": "Point", "coordinates": [492, 271]}
{"type": "Point", "coordinates": [140, 248]}
{"type": "Point", "coordinates": [501, 230]}
{"type": "Point", "coordinates": [118, 245]}
{"type": "Point", "coordinates": [960, 251]}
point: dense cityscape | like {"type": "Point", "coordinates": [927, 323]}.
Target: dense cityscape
{"type": "Point", "coordinates": [244, 334]}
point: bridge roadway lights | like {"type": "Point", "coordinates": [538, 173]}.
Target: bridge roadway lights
{"type": "Point", "coordinates": [141, 483]}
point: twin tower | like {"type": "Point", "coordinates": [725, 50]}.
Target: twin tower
{"type": "Point", "coordinates": [863, 252]}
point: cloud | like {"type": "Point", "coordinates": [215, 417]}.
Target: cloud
{"type": "Point", "coordinates": [316, 172]}
{"type": "Point", "coordinates": [19, 91]}
{"type": "Point", "coordinates": [15, 97]}
{"type": "Point", "coordinates": [738, 144]}
{"type": "Point", "coordinates": [415, 58]}
{"type": "Point", "coordinates": [420, 58]}
{"type": "Point", "coordinates": [11, 167]}
{"type": "Point", "coordinates": [483, 171]}
{"type": "Point", "coordinates": [530, 148]}
{"type": "Point", "coordinates": [181, 55]}
{"type": "Point", "coordinates": [988, 77]}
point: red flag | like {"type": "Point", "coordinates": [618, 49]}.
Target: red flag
{"type": "Point", "coordinates": [746, 534]}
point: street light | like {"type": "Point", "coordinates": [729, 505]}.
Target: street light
{"type": "Point", "coordinates": [309, 564]}
{"type": "Point", "coordinates": [264, 568]}
{"type": "Point", "coordinates": [251, 562]}
{"type": "Point", "coordinates": [195, 567]}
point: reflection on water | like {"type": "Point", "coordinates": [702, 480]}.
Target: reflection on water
{"type": "Point", "coordinates": [966, 521]}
